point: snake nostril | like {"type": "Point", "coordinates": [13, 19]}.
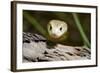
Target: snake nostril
{"type": "Point", "coordinates": [54, 36]}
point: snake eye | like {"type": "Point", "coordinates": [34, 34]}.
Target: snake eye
{"type": "Point", "coordinates": [60, 28]}
{"type": "Point", "coordinates": [50, 27]}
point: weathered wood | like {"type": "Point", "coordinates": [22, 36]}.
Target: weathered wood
{"type": "Point", "coordinates": [35, 49]}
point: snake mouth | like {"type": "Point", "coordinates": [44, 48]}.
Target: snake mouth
{"type": "Point", "coordinates": [54, 36]}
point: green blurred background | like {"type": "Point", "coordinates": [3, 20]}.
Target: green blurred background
{"type": "Point", "coordinates": [41, 18]}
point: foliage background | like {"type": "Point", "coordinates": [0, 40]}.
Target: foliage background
{"type": "Point", "coordinates": [41, 19]}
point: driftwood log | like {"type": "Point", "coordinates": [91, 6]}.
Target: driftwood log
{"type": "Point", "coordinates": [35, 49]}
